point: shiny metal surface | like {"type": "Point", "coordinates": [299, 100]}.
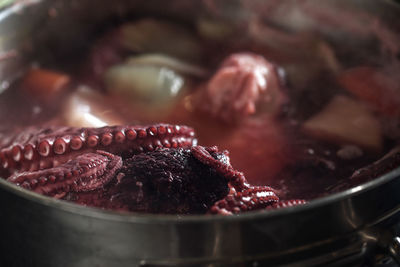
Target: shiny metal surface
{"type": "Point", "coordinates": [394, 249]}
{"type": "Point", "coordinates": [41, 231]}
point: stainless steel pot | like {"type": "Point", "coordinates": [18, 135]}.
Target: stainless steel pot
{"type": "Point", "coordinates": [40, 231]}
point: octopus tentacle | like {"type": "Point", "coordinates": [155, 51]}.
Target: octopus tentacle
{"type": "Point", "coordinates": [36, 149]}
{"type": "Point", "coordinates": [122, 167]}
{"type": "Point", "coordinates": [236, 178]}
{"type": "Point", "coordinates": [242, 196]}
{"type": "Point", "coordinates": [87, 172]}
{"type": "Point", "coordinates": [287, 203]}
{"type": "Point", "coordinates": [254, 198]}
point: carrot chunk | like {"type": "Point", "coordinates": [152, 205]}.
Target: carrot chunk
{"type": "Point", "coordinates": [45, 84]}
{"type": "Point", "coordinates": [374, 87]}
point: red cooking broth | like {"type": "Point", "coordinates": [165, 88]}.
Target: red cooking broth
{"type": "Point", "coordinates": [270, 149]}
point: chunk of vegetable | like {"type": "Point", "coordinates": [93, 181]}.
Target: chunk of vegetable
{"type": "Point", "coordinates": [157, 36]}
{"type": "Point", "coordinates": [378, 89]}
{"type": "Point", "coordinates": [169, 62]}
{"type": "Point", "coordinates": [214, 29]}
{"type": "Point", "coordinates": [346, 121]}
{"type": "Point", "coordinates": [44, 84]}
{"type": "Point", "coordinates": [88, 108]}
{"type": "Point", "coordinates": [151, 84]}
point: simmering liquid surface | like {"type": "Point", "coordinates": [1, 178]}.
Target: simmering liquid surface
{"type": "Point", "coordinates": [313, 113]}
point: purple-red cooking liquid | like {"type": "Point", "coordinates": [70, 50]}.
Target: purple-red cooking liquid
{"type": "Point", "coordinates": [281, 153]}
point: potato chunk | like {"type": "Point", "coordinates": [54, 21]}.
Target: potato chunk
{"type": "Point", "coordinates": [346, 121]}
